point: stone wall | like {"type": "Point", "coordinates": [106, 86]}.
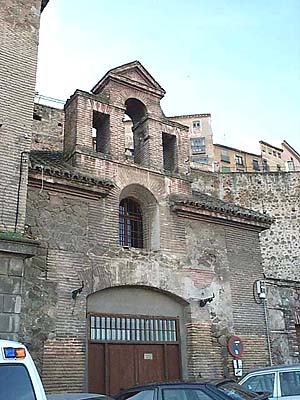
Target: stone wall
{"type": "Point", "coordinates": [47, 128]}
{"type": "Point", "coordinates": [277, 194]}
{"type": "Point", "coordinates": [11, 272]}
{"type": "Point", "coordinates": [14, 250]}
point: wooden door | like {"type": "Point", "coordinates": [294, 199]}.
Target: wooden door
{"type": "Point", "coordinates": [114, 365]}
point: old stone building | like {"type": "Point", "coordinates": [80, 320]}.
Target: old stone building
{"type": "Point", "coordinates": [114, 262]}
{"type": "Point", "coordinates": [142, 248]}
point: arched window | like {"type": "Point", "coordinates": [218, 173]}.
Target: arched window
{"type": "Point", "coordinates": [130, 224]}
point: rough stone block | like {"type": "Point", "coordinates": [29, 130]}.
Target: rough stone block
{"type": "Point", "coordinates": [4, 266]}
{"type": "Point", "coordinates": [277, 320]}
{"type": "Point", "coordinates": [12, 304]}
{"type": "Point", "coordinates": [10, 285]}
{"type": "Point", "coordinates": [16, 266]}
{"type": "Point", "coordinates": [9, 323]}
{"type": "Point", "coordinates": [9, 336]}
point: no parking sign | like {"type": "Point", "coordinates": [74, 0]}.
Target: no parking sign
{"type": "Point", "coordinates": [235, 346]}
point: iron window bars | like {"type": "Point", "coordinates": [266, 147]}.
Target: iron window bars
{"type": "Point", "coordinates": [133, 329]}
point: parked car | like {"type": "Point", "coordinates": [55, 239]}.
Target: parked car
{"type": "Point", "coordinates": [77, 396]}
{"type": "Point", "coordinates": [19, 378]}
{"type": "Point", "coordinates": [204, 390]}
{"type": "Point", "coordinates": [282, 381]}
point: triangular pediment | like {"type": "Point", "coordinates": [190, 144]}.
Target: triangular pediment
{"type": "Point", "coordinates": [132, 73]}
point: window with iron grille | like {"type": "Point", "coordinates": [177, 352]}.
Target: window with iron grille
{"type": "Point", "coordinates": [198, 145]}
{"type": "Point", "coordinates": [130, 224]}
{"type": "Point", "coordinates": [239, 159]}
{"type": "Point", "coordinates": [133, 329]}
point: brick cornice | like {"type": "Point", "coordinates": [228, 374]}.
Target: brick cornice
{"type": "Point", "coordinates": [218, 218]}
{"type": "Point", "coordinates": [88, 191]}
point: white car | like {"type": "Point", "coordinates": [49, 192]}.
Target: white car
{"type": "Point", "coordinates": [282, 381]}
{"type": "Point", "coordinates": [19, 379]}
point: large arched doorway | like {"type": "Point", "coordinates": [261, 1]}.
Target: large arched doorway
{"type": "Point", "coordinates": [135, 336]}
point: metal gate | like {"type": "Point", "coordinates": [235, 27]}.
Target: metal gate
{"type": "Point", "coordinates": [125, 350]}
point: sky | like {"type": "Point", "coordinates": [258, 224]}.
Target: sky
{"type": "Point", "coordinates": [236, 59]}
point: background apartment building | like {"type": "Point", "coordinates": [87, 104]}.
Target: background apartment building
{"type": "Point", "coordinates": [208, 156]}
{"type": "Point", "coordinates": [201, 139]}
{"type": "Point", "coordinates": [229, 159]}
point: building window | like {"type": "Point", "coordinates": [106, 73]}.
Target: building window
{"type": "Point", "coordinates": [279, 155]}
{"type": "Point", "coordinates": [225, 156]}
{"type": "Point", "coordinates": [255, 164]}
{"type": "Point", "coordinates": [265, 165]}
{"type": "Point", "coordinates": [197, 124]}
{"type": "Point", "coordinates": [169, 152]}
{"type": "Point", "coordinates": [200, 160]}
{"type": "Point", "coordinates": [133, 329]}
{"type": "Point", "coordinates": [239, 159]}
{"type": "Point", "coordinates": [130, 224]}
{"type": "Point", "coordinates": [225, 169]}
{"type": "Point", "coordinates": [198, 145]}
{"type": "Point", "coordinates": [291, 165]}
{"type": "Point", "coordinates": [101, 132]}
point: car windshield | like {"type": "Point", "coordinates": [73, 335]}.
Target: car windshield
{"type": "Point", "coordinates": [185, 394]}
{"type": "Point", "coordinates": [138, 395]}
{"type": "Point", "coordinates": [9, 375]}
{"type": "Point", "coordinates": [236, 392]}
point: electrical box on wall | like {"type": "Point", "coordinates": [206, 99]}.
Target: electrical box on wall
{"type": "Point", "coordinates": [261, 289]}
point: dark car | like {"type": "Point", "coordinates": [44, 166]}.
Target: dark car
{"type": "Point", "coordinates": [77, 396]}
{"type": "Point", "coordinates": [202, 390]}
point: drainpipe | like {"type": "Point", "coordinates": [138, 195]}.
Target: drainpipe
{"type": "Point", "coordinates": [267, 331]}
{"type": "Point", "coordinates": [22, 160]}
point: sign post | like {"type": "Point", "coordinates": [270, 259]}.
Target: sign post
{"type": "Point", "coordinates": [236, 349]}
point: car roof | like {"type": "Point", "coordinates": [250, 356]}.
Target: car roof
{"type": "Point", "coordinates": [10, 343]}
{"type": "Point", "coordinates": [275, 368]}
{"type": "Point", "coordinates": [178, 383]}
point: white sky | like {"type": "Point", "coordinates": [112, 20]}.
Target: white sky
{"type": "Point", "coordinates": [238, 60]}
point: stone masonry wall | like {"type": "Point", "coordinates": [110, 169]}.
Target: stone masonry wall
{"type": "Point", "coordinates": [277, 194]}
{"type": "Point", "coordinates": [47, 128]}
{"type": "Point", "coordinates": [11, 272]}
